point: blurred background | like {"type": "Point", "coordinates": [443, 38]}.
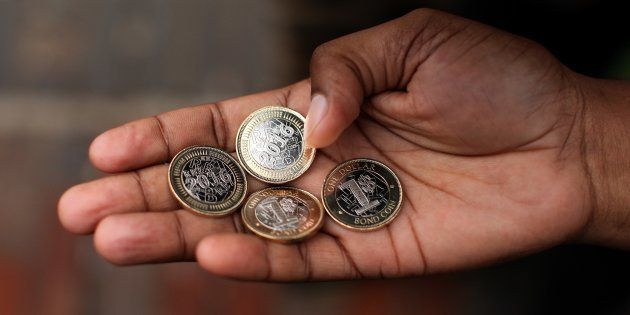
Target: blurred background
{"type": "Point", "coordinates": [70, 69]}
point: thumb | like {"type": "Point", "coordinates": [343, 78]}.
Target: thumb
{"type": "Point", "coordinates": [351, 68]}
{"type": "Point", "coordinates": [336, 97]}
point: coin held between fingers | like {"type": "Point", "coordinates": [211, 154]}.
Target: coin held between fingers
{"type": "Point", "coordinates": [271, 147]}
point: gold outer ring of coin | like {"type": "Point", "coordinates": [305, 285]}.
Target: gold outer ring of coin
{"type": "Point", "coordinates": [265, 232]}
{"type": "Point", "coordinates": [252, 167]}
{"type": "Point", "coordinates": [197, 210]}
{"type": "Point", "coordinates": [381, 224]}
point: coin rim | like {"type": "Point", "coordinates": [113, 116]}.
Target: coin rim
{"type": "Point", "coordinates": [248, 168]}
{"type": "Point", "coordinates": [293, 239]}
{"type": "Point", "coordinates": [381, 224]}
{"type": "Point", "coordinates": [197, 211]}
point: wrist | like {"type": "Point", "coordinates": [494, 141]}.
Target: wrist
{"type": "Point", "coordinates": [606, 154]}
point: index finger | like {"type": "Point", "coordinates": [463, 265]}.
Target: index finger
{"type": "Point", "coordinates": [157, 139]}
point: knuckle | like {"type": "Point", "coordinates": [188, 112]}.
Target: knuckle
{"type": "Point", "coordinates": [321, 51]}
{"type": "Point", "coordinates": [423, 13]}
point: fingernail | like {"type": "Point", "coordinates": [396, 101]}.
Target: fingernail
{"type": "Point", "coordinates": [317, 111]}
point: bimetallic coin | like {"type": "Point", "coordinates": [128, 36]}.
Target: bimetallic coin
{"type": "Point", "coordinates": [362, 194]}
{"type": "Point", "coordinates": [270, 145]}
{"type": "Point", "coordinates": [207, 181]}
{"type": "Point", "coordinates": [283, 214]}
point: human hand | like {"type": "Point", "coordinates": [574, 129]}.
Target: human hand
{"type": "Point", "coordinates": [483, 128]}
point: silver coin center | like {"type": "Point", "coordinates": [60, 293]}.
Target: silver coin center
{"type": "Point", "coordinates": [275, 144]}
{"type": "Point", "coordinates": [208, 179]}
{"type": "Point", "coordinates": [282, 213]}
{"type": "Point", "coordinates": [362, 193]}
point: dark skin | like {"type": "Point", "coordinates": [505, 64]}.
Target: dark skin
{"type": "Point", "coordinates": [488, 133]}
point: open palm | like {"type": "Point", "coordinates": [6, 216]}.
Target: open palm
{"type": "Point", "coordinates": [482, 128]}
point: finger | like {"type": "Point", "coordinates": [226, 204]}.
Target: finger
{"type": "Point", "coordinates": [252, 258]}
{"type": "Point", "coordinates": [157, 139]}
{"type": "Point", "coordinates": [134, 238]}
{"type": "Point", "coordinates": [83, 206]}
{"type": "Point", "coordinates": [346, 70]}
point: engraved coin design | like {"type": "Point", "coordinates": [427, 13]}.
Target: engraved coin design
{"type": "Point", "coordinates": [362, 194]}
{"type": "Point", "coordinates": [281, 213]}
{"type": "Point", "coordinates": [270, 145]}
{"type": "Point", "coordinates": [284, 214]}
{"type": "Point", "coordinates": [207, 180]}
{"type": "Point", "coordinates": [275, 144]}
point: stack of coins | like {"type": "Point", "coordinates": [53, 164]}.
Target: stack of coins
{"type": "Point", "coordinates": [360, 194]}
